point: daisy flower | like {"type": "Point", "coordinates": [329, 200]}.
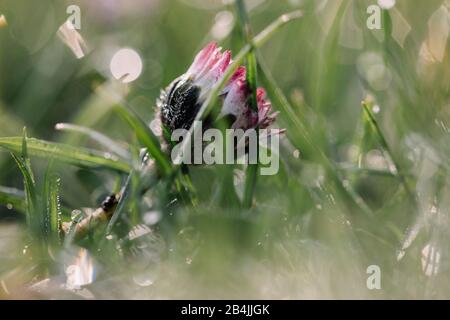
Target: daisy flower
{"type": "Point", "coordinates": [180, 102]}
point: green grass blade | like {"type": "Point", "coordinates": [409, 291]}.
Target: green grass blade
{"type": "Point", "coordinates": [362, 171]}
{"type": "Point", "coordinates": [305, 141]}
{"type": "Point", "coordinates": [147, 138]}
{"type": "Point", "coordinates": [13, 198]}
{"type": "Point", "coordinates": [30, 189]}
{"type": "Point", "coordinates": [53, 210]}
{"type": "Point", "coordinates": [25, 157]}
{"type": "Point", "coordinates": [251, 75]}
{"type": "Point", "coordinates": [121, 205]}
{"type": "Point", "coordinates": [100, 138]}
{"type": "Point", "coordinates": [250, 185]}
{"type": "Point", "coordinates": [367, 105]}
{"type": "Point", "coordinates": [70, 236]}
{"type": "Point", "coordinates": [288, 113]}
{"type": "Point", "coordinates": [24, 165]}
{"type": "Point", "coordinates": [82, 157]}
{"type": "Point", "coordinates": [251, 64]}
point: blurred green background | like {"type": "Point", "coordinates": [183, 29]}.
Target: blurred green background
{"type": "Point", "coordinates": [300, 240]}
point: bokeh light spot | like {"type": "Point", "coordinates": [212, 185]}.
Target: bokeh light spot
{"type": "Point", "coordinates": [126, 65]}
{"type": "Point", "coordinates": [386, 4]}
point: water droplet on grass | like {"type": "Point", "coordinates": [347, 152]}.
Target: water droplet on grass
{"type": "Point", "coordinates": [376, 109]}
{"type": "Point", "coordinates": [75, 214]}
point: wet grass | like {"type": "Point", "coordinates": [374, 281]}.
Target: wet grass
{"type": "Point", "coordinates": [363, 174]}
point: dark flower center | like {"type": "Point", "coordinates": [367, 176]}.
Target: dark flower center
{"type": "Point", "coordinates": [179, 104]}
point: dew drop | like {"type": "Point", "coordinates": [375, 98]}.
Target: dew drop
{"type": "Point", "coordinates": [76, 214]}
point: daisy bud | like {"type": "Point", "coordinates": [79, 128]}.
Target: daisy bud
{"type": "Point", "coordinates": [180, 102]}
